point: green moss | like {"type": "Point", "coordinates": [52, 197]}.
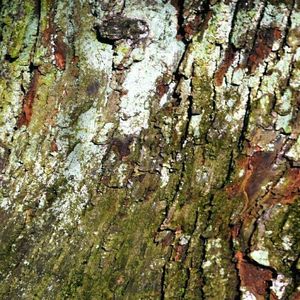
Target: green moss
{"type": "Point", "coordinates": [43, 107]}
{"type": "Point", "coordinates": [20, 28]}
{"type": "Point", "coordinates": [284, 243]}
{"type": "Point", "coordinates": [176, 278]}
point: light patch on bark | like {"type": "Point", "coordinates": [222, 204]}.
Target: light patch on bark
{"type": "Point", "coordinates": [235, 117]}
{"type": "Point", "coordinates": [246, 295]}
{"type": "Point", "coordinates": [79, 157]}
{"type": "Point", "coordinates": [122, 173]}
{"type": "Point", "coordinates": [261, 256]}
{"type": "Point", "coordinates": [11, 106]}
{"type": "Point", "coordinates": [42, 201]}
{"type": "Point", "coordinates": [206, 264]}
{"type": "Point", "coordinates": [5, 203]}
{"type": "Point", "coordinates": [121, 51]}
{"type": "Point", "coordinates": [293, 39]}
{"type": "Point", "coordinates": [164, 176]}
{"type": "Point", "coordinates": [246, 20]}
{"type": "Point", "coordinates": [284, 122]}
{"type": "Point", "coordinates": [238, 76]}
{"type": "Point", "coordinates": [220, 24]}
{"type": "Point", "coordinates": [208, 54]}
{"type": "Point", "coordinates": [295, 79]}
{"type": "Point", "coordinates": [241, 173]}
{"type": "Point", "coordinates": [287, 243]}
{"type": "Point", "coordinates": [294, 152]}
{"type": "Point", "coordinates": [87, 126]}
{"type": "Point", "coordinates": [279, 285]}
{"type": "Point", "coordinates": [275, 15]}
{"type": "Point", "coordinates": [195, 125]}
{"type": "Point", "coordinates": [184, 240]}
{"type": "Point", "coordinates": [284, 103]}
{"type": "Point", "coordinates": [67, 210]}
{"type": "Point", "coordinates": [271, 83]}
{"type": "Point", "coordinates": [161, 56]}
{"type": "Point", "coordinates": [98, 56]}
{"type": "Point", "coordinates": [102, 134]}
{"type": "Point", "coordinates": [165, 97]}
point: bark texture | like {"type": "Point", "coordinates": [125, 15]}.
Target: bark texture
{"type": "Point", "coordinates": [150, 149]}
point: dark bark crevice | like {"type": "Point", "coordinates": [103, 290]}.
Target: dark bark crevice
{"type": "Point", "coordinates": [244, 130]}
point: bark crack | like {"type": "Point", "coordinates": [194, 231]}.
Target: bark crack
{"type": "Point", "coordinates": [243, 133]}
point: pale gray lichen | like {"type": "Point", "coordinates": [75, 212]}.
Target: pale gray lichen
{"type": "Point", "coordinates": [279, 285]}
{"type": "Point", "coordinates": [261, 256]}
{"type": "Point", "coordinates": [161, 55]}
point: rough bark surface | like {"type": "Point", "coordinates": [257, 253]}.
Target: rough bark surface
{"type": "Point", "coordinates": [150, 149]}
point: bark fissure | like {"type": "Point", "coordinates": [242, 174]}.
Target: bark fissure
{"type": "Point", "coordinates": [244, 130]}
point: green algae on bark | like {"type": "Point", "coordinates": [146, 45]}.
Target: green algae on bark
{"type": "Point", "coordinates": [156, 165]}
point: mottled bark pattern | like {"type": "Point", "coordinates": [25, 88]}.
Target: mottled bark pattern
{"type": "Point", "coordinates": [149, 149]}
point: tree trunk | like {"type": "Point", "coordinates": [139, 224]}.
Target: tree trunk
{"type": "Point", "coordinates": [150, 149]}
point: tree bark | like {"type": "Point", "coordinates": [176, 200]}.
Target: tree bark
{"type": "Point", "coordinates": [150, 149]}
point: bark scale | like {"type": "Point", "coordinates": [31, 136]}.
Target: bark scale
{"type": "Point", "coordinates": [149, 149]}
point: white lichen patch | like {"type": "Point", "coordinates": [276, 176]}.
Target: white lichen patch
{"type": "Point", "coordinates": [261, 256]}
{"type": "Point", "coordinates": [164, 99]}
{"type": "Point", "coordinates": [234, 118]}
{"type": "Point", "coordinates": [167, 128]}
{"type": "Point", "coordinates": [86, 125]}
{"type": "Point", "coordinates": [122, 174]}
{"type": "Point", "coordinates": [5, 203]}
{"type": "Point", "coordinates": [269, 84]}
{"type": "Point", "coordinates": [230, 103]}
{"type": "Point", "coordinates": [213, 265]}
{"type": "Point", "coordinates": [76, 164]}
{"type": "Point", "coordinates": [238, 76]}
{"type": "Point", "coordinates": [284, 123]}
{"type": "Point", "coordinates": [287, 243]}
{"type": "Point", "coordinates": [102, 134]}
{"type": "Point", "coordinates": [201, 176]}
{"type": "Point", "coordinates": [295, 78]}
{"type": "Point", "coordinates": [164, 172]}
{"type": "Point", "coordinates": [42, 201]}
{"type": "Point", "coordinates": [246, 21]}
{"type": "Point", "coordinates": [70, 205]}
{"type": "Point", "coordinates": [91, 137]}
{"type": "Point", "coordinates": [161, 56]}
{"type": "Point", "coordinates": [97, 56]}
{"type": "Point", "coordinates": [279, 285]}
{"type": "Point", "coordinates": [294, 152]}
{"type": "Point", "coordinates": [241, 173]}
{"type": "Point", "coordinates": [184, 240]}
{"type": "Point", "coordinates": [206, 264]}
{"type": "Point", "coordinates": [214, 244]}
{"type": "Point", "coordinates": [195, 125]}
{"type": "Point", "coordinates": [284, 64]}
{"type": "Point", "coordinates": [292, 39]}
{"type": "Point", "coordinates": [221, 23]}
{"type": "Point", "coordinates": [246, 295]}
{"type": "Point", "coordinates": [275, 15]}
{"type": "Point", "coordinates": [284, 102]}
{"type": "Point", "coordinates": [11, 102]}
